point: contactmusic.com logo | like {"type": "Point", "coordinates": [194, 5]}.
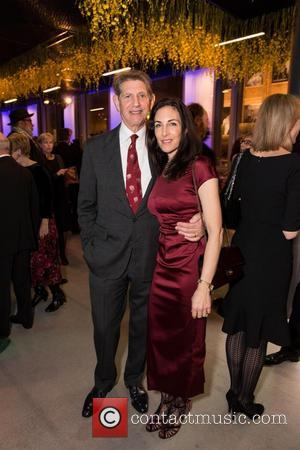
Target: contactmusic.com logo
{"type": "Point", "coordinates": [110, 417]}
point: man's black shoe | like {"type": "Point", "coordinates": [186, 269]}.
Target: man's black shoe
{"type": "Point", "coordinates": [284, 354]}
{"type": "Point", "coordinates": [87, 410]}
{"type": "Point", "coordinates": [4, 342]}
{"type": "Point", "coordinates": [26, 323]}
{"type": "Point", "coordinates": [139, 398]}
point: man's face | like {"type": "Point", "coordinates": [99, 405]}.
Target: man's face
{"type": "Point", "coordinates": [133, 104]}
{"type": "Point", "coordinates": [27, 125]}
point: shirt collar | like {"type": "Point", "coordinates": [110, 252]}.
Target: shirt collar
{"type": "Point", "coordinates": [125, 132]}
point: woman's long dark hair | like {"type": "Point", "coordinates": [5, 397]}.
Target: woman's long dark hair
{"type": "Point", "coordinates": [189, 147]}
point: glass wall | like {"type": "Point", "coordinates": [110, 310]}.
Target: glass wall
{"type": "Point", "coordinates": [97, 112]}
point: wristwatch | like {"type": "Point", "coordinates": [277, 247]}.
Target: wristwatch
{"type": "Point", "coordinates": [210, 285]}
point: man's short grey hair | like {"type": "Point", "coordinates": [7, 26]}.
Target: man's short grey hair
{"type": "Point", "coordinates": [136, 75]}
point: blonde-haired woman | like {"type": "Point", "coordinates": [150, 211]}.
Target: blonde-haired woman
{"type": "Point", "coordinates": [268, 188]}
{"type": "Point", "coordinates": [55, 166]}
{"type": "Point", "coordinates": [45, 269]}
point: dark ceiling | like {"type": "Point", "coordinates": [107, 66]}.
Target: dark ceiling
{"type": "Point", "coordinates": [27, 23]}
{"type": "Point", "coordinates": [246, 9]}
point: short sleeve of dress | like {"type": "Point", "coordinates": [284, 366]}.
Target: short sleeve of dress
{"type": "Point", "coordinates": [291, 221]}
{"type": "Point", "coordinates": [203, 170]}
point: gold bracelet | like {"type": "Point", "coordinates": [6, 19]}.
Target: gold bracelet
{"type": "Point", "coordinates": [209, 285]}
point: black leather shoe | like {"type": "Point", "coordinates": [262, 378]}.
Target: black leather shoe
{"type": "Point", "coordinates": [26, 323]}
{"type": "Point", "coordinates": [87, 410]}
{"type": "Point", "coordinates": [58, 300]}
{"type": "Point", "coordinates": [4, 343]}
{"type": "Point", "coordinates": [284, 354]}
{"type": "Point", "coordinates": [40, 293]}
{"type": "Point", "coordinates": [250, 409]}
{"type": "Point", "coordinates": [139, 398]}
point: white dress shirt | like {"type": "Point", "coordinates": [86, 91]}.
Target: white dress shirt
{"type": "Point", "coordinates": [142, 153]}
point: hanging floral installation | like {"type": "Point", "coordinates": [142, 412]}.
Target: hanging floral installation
{"type": "Point", "coordinates": [144, 33]}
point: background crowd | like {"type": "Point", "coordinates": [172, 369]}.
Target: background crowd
{"type": "Point", "coordinates": [35, 247]}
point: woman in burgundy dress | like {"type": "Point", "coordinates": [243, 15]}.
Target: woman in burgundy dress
{"type": "Point", "coordinates": [179, 301]}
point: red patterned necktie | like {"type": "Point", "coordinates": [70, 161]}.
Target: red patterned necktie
{"type": "Point", "coordinates": [133, 176]}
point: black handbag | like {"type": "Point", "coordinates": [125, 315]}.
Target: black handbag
{"type": "Point", "coordinates": [230, 204]}
{"type": "Point", "coordinates": [231, 261]}
{"type": "Point", "coordinates": [230, 266]}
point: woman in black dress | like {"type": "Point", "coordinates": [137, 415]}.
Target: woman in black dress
{"type": "Point", "coordinates": [268, 187]}
{"type": "Point", "coordinates": [55, 166]}
{"type": "Point", "coordinates": [45, 268]}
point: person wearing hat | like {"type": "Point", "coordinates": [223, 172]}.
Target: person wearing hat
{"type": "Point", "coordinates": [21, 123]}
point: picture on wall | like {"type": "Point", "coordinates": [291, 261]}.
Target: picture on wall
{"type": "Point", "coordinates": [280, 73]}
{"type": "Point", "coordinates": [255, 80]}
{"type": "Point", "coordinates": [250, 113]}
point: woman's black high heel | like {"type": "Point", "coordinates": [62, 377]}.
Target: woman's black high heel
{"type": "Point", "coordinates": [40, 294]}
{"type": "Point", "coordinates": [250, 409]}
{"type": "Point", "coordinates": [156, 421]}
{"type": "Point", "coordinates": [232, 401]}
{"type": "Point", "coordinates": [58, 299]}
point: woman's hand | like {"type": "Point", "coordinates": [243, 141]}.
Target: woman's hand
{"type": "Point", "coordinates": [44, 228]}
{"type": "Point", "coordinates": [201, 301]}
{"type": "Point", "coordinates": [61, 172]}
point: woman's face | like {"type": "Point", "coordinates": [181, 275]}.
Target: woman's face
{"type": "Point", "coordinates": [168, 130]}
{"type": "Point", "coordinates": [47, 146]}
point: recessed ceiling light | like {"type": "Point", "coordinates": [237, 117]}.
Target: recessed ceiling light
{"type": "Point", "coordinates": [250, 36]}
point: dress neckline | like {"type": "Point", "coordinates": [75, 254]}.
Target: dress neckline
{"type": "Point", "coordinates": [270, 157]}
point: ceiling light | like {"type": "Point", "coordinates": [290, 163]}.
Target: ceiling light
{"type": "Point", "coordinates": [106, 74]}
{"type": "Point", "coordinates": [11, 100]}
{"type": "Point", "coordinates": [68, 100]}
{"type": "Point", "coordinates": [225, 91]}
{"type": "Point", "coordinates": [47, 101]}
{"type": "Point", "coordinates": [96, 109]}
{"type": "Point", "coordinates": [250, 36]}
{"type": "Point", "coordinates": [55, 88]}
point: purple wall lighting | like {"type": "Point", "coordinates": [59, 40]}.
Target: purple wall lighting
{"type": "Point", "coordinates": [69, 114]}
{"type": "Point", "coordinates": [114, 115]}
{"type": "Point", "coordinates": [33, 109]}
{"type": "Point", "coordinates": [5, 121]}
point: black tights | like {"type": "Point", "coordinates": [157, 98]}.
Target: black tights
{"type": "Point", "coordinates": [245, 365]}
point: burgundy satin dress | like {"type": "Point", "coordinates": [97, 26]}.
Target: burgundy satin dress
{"type": "Point", "coordinates": [176, 341]}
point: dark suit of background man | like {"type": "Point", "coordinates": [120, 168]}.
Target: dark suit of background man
{"type": "Point", "coordinates": [18, 224]}
{"type": "Point", "coordinates": [120, 237]}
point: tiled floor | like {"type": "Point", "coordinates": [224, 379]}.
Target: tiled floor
{"type": "Point", "coordinates": [46, 372]}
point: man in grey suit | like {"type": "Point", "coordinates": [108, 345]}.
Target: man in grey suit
{"type": "Point", "coordinates": [120, 236]}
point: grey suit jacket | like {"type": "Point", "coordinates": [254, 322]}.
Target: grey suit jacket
{"type": "Point", "coordinates": [110, 232]}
